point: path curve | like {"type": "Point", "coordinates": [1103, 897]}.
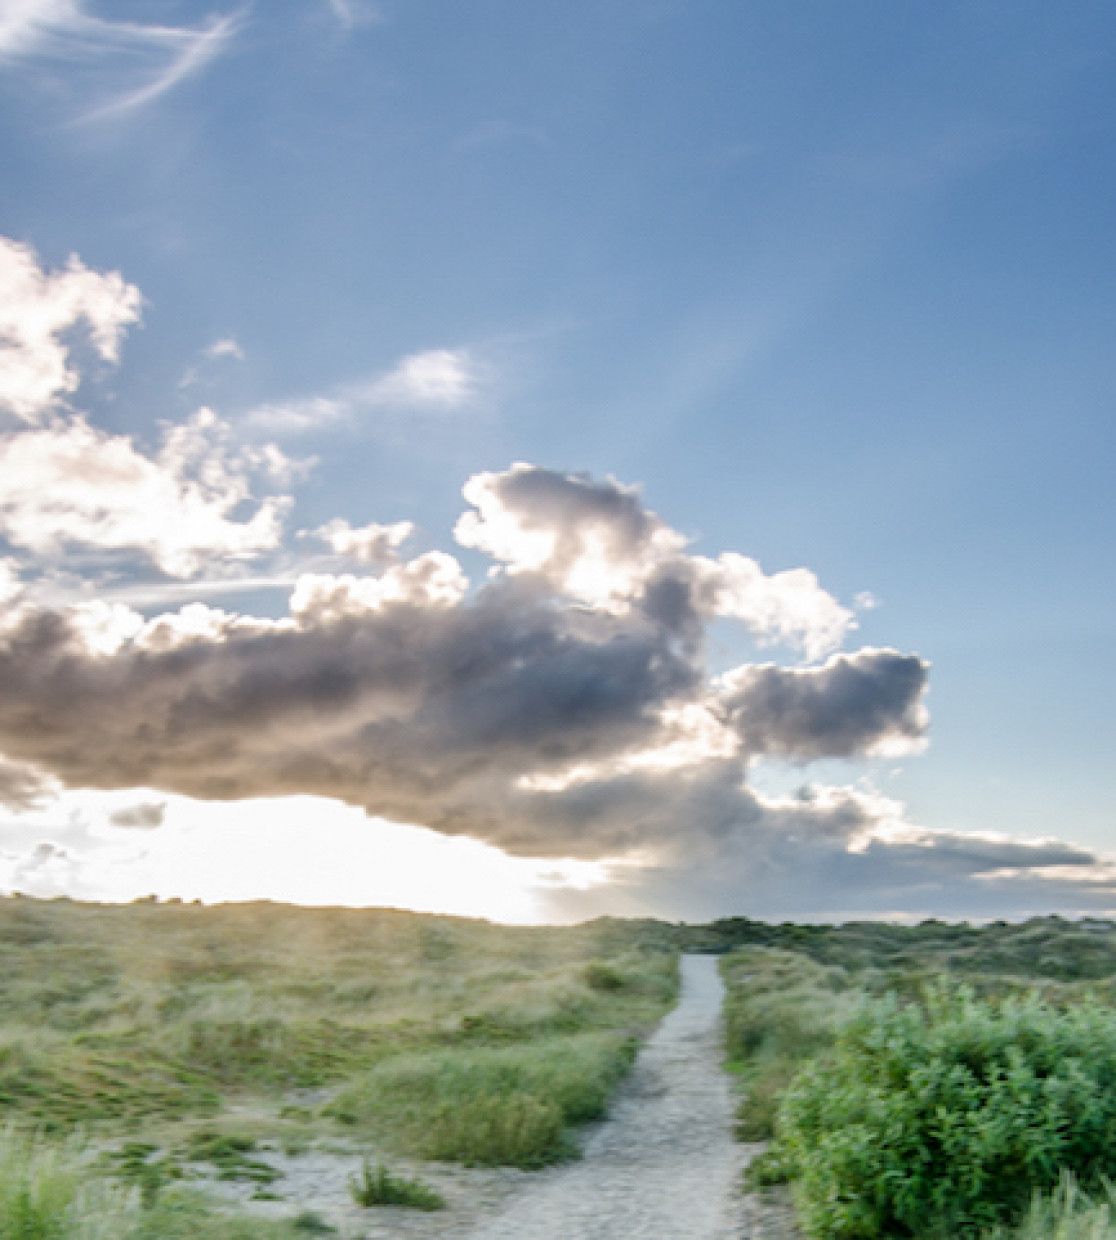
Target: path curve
{"type": "Point", "coordinates": [664, 1166]}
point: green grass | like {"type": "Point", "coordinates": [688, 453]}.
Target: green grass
{"type": "Point", "coordinates": [377, 1186]}
{"type": "Point", "coordinates": [780, 1008]}
{"type": "Point", "coordinates": [55, 1191]}
{"type": "Point", "coordinates": [184, 1039]}
{"type": "Point", "coordinates": [1065, 1214]}
{"type": "Point", "coordinates": [489, 1105]}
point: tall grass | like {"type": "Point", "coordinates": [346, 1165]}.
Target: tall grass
{"type": "Point", "coordinates": [55, 1191]}
{"type": "Point", "coordinates": [46, 1193]}
{"type": "Point", "coordinates": [489, 1105]}
{"type": "Point", "coordinates": [449, 1038]}
{"type": "Point", "coordinates": [1065, 1214]}
{"type": "Point", "coordinates": [780, 1008]}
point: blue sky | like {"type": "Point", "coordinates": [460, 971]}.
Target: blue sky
{"type": "Point", "coordinates": [832, 283]}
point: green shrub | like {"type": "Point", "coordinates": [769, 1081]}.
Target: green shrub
{"type": "Point", "coordinates": [311, 1222]}
{"type": "Point", "coordinates": [379, 1187]}
{"type": "Point", "coordinates": [602, 976]}
{"type": "Point", "coordinates": [945, 1118]}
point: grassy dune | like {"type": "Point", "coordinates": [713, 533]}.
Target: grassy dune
{"type": "Point", "coordinates": [175, 1038]}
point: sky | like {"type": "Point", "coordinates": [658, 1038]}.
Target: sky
{"type": "Point", "coordinates": [528, 461]}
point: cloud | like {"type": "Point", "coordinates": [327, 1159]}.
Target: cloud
{"type": "Point", "coordinates": [352, 14]}
{"type": "Point", "coordinates": [838, 854]}
{"type": "Point", "coordinates": [864, 704]}
{"type": "Point", "coordinates": [367, 544]}
{"type": "Point", "coordinates": [23, 786]}
{"type": "Point", "coordinates": [39, 314]}
{"type": "Point", "coordinates": [437, 379]}
{"type": "Point", "coordinates": [561, 708]}
{"type": "Point", "coordinates": [225, 347]}
{"type": "Point", "coordinates": [142, 61]}
{"type": "Point", "coordinates": [596, 541]}
{"type": "Point", "coordinates": [144, 814]}
{"type": "Point", "coordinates": [73, 486]}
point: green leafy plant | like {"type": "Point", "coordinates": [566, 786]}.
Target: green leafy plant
{"type": "Point", "coordinates": [945, 1117]}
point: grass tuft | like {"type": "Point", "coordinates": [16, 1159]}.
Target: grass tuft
{"type": "Point", "coordinates": [377, 1186]}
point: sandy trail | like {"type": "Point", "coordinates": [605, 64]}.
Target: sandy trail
{"type": "Point", "coordinates": [664, 1164]}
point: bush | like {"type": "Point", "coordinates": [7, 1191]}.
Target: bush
{"type": "Point", "coordinates": [945, 1118]}
{"type": "Point", "coordinates": [602, 976]}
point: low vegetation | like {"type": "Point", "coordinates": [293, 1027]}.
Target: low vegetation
{"type": "Point", "coordinates": [933, 1080]}
{"type": "Point", "coordinates": [377, 1186]}
{"type": "Point", "coordinates": [191, 1044]}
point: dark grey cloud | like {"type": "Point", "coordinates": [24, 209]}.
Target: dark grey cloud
{"type": "Point", "coordinates": [791, 866]}
{"type": "Point", "coordinates": [419, 712]}
{"type": "Point", "coordinates": [144, 814]}
{"type": "Point", "coordinates": [537, 712]}
{"type": "Point", "coordinates": [851, 705]}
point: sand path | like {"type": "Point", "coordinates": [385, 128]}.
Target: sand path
{"type": "Point", "coordinates": [664, 1164]}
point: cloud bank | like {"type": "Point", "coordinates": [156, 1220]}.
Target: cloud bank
{"type": "Point", "coordinates": [560, 705]}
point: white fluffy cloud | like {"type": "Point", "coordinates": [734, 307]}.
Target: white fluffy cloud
{"type": "Point", "coordinates": [39, 311]}
{"type": "Point", "coordinates": [74, 486]}
{"type": "Point", "coordinates": [367, 544]}
{"type": "Point", "coordinates": [437, 378]}
{"type": "Point", "coordinates": [552, 711]}
{"type": "Point", "coordinates": [225, 347]}
{"type": "Point", "coordinates": [596, 541]}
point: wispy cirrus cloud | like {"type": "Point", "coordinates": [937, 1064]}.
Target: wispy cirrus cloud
{"type": "Point", "coordinates": [354, 13]}
{"type": "Point", "coordinates": [225, 349]}
{"type": "Point", "coordinates": [137, 62]}
{"type": "Point", "coordinates": [432, 380]}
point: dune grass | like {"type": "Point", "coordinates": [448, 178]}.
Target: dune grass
{"type": "Point", "coordinates": [781, 1007]}
{"type": "Point", "coordinates": [147, 1026]}
{"type": "Point", "coordinates": [377, 1186]}
{"type": "Point", "coordinates": [490, 1104]}
{"type": "Point", "coordinates": [1066, 1213]}
{"type": "Point", "coordinates": [52, 1190]}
